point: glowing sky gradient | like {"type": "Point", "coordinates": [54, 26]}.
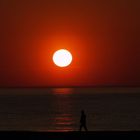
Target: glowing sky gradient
{"type": "Point", "coordinates": [102, 35]}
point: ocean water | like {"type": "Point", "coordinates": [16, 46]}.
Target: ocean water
{"type": "Point", "coordinates": [58, 109]}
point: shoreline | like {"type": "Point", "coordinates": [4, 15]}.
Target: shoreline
{"type": "Point", "coordinates": [69, 135]}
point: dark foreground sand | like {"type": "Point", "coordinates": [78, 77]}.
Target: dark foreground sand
{"type": "Point", "coordinates": [69, 135]}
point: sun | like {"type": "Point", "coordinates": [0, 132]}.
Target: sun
{"type": "Point", "coordinates": [62, 58]}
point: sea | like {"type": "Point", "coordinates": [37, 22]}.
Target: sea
{"type": "Point", "coordinates": [59, 109]}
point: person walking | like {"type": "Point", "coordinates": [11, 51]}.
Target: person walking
{"type": "Point", "coordinates": [83, 121]}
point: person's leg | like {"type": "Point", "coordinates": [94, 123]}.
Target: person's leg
{"type": "Point", "coordinates": [85, 127]}
{"type": "Point", "coordinates": [80, 127]}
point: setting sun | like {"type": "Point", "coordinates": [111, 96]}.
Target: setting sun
{"type": "Point", "coordinates": [62, 58]}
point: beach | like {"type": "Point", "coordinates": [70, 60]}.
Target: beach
{"type": "Point", "coordinates": [70, 135]}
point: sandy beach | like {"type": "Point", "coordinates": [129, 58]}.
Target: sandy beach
{"type": "Point", "coordinates": [69, 135]}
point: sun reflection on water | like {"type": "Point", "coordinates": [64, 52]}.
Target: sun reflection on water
{"type": "Point", "coordinates": [63, 119]}
{"type": "Point", "coordinates": [62, 91]}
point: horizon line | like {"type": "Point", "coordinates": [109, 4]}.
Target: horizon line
{"type": "Point", "coordinates": [101, 86]}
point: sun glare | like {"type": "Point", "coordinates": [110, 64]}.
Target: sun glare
{"type": "Point", "coordinates": [62, 58]}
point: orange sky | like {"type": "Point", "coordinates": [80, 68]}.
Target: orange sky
{"type": "Point", "coordinates": [103, 36]}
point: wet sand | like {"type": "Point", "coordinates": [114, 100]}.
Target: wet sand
{"type": "Point", "coordinates": [69, 135]}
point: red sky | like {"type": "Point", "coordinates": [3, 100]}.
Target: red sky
{"type": "Point", "coordinates": [102, 35]}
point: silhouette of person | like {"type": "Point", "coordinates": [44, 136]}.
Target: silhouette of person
{"type": "Point", "coordinates": [83, 121]}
